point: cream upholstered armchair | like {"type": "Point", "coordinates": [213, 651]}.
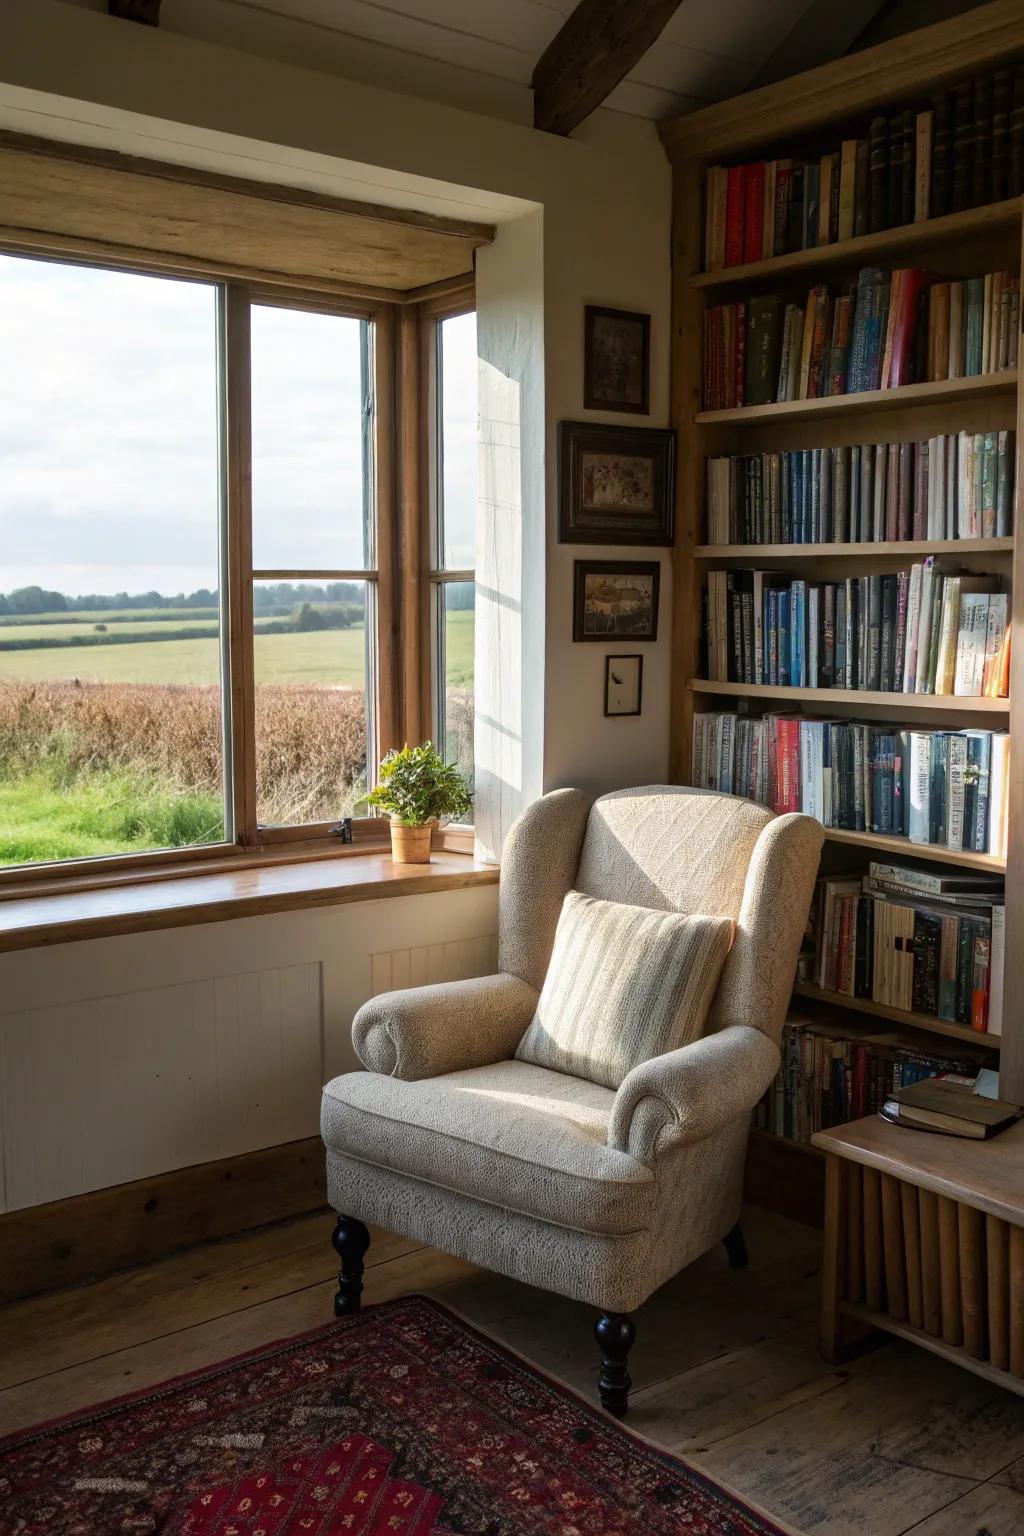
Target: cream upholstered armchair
{"type": "Point", "coordinates": [600, 1194]}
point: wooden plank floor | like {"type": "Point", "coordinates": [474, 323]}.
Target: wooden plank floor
{"type": "Point", "coordinates": [726, 1369]}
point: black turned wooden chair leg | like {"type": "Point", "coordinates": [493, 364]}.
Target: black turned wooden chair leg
{"type": "Point", "coordinates": [614, 1332]}
{"type": "Point", "coordinates": [736, 1247]}
{"type": "Point", "coordinates": [351, 1240]}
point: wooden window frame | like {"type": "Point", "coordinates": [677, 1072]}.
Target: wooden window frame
{"type": "Point", "coordinates": [435, 575]}
{"type": "Point", "coordinates": [401, 520]}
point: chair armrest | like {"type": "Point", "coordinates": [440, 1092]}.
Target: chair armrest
{"type": "Point", "coordinates": [427, 1031]}
{"type": "Point", "coordinates": [690, 1093]}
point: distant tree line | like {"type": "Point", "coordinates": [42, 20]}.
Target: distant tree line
{"type": "Point", "coordinates": [270, 598]}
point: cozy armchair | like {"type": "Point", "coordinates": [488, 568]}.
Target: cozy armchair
{"type": "Point", "coordinates": [600, 1194]}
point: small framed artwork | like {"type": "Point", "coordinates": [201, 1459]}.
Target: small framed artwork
{"type": "Point", "coordinates": [615, 600]}
{"type": "Point", "coordinates": [616, 484]}
{"type": "Point", "coordinates": [623, 682]}
{"type": "Point", "coordinates": [616, 360]}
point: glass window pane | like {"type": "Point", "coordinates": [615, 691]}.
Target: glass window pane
{"type": "Point", "coordinates": [458, 601]}
{"type": "Point", "coordinates": [308, 388]}
{"type": "Point", "coordinates": [311, 665]}
{"type": "Point", "coordinates": [458, 442]}
{"type": "Point", "coordinates": [110, 697]}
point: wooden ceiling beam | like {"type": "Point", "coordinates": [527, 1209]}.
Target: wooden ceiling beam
{"type": "Point", "coordinates": [146, 11]}
{"type": "Point", "coordinates": [597, 46]}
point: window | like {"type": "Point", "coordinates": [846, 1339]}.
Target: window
{"type": "Point", "coordinates": [313, 557]}
{"type": "Point", "coordinates": [111, 659]}
{"type": "Point", "coordinates": [453, 594]}
{"type": "Point", "coordinates": [202, 647]}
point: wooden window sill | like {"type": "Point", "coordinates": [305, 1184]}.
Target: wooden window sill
{"type": "Point", "coordinates": [32, 921]}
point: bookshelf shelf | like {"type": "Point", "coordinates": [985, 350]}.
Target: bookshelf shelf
{"type": "Point", "coordinates": [801, 1148]}
{"type": "Point", "coordinates": [943, 704]}
{"type": "Point", "coordinates": [867, 250]}
{"type": "Point", "coordinates": [922, 1021]}
{"type": "Point", "coordinates": [894, 550]}
{"type": "Point", "coordinates": [865, 402]}
{"type": "Point", "coordinates": [902, 847]}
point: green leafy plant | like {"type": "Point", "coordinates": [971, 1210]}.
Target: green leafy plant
{"type": "Point", "coordinates": [417, 786]}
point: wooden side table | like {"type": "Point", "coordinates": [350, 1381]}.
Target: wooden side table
{"type": "Point", "coordinates": [924, 1238]}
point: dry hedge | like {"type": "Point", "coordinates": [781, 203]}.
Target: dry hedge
{"type": "Point", "coordinates": [310, 741]}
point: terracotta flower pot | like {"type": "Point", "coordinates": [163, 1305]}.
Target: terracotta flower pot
{"type": "Point", "coordinates": [410, 845]}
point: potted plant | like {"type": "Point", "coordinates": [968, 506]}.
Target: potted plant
{"type": "Point", "coordinates": [419, 789]}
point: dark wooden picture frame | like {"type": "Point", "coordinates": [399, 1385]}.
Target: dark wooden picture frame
{"type": "Point", "coordinates": [616, 360]}
{"type": "Point", "coordinates": [616, 485]}
{"type": "Point", "coordinates": [622, 714]}
{"type": "Point", "coordinates": [622, 623]}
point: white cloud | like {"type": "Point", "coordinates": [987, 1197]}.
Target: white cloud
{"type": "Point", "coordinates": [108, 433]}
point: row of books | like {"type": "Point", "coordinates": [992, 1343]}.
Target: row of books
{"type": "Point", "coordinates": [912, 631]}
{"type": "Point", "coordinates": [944, 789]}
{"type": "Point", "coordinates": [953, 486]}
{"type": "Point", "coordinates": [888, 329]}
{"type": "Point", "coordinates": [963, 150]}
{"type": "Point", "coordinates": [933, 946]}
{"type": "Point", "coordinates": [833, 1073]}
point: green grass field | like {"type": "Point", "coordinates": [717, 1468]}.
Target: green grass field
{"type": "Point", "coordinates": [334, 657]}
{"type": "Point", "coordinates": [100, 813]}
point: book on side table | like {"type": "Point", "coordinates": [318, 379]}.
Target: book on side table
{"type": "Point", "coordinates": [950, 1106]}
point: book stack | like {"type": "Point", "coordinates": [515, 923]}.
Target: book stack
{"type": "Point", "coordinates": [962, 150]}
{"type": "Point", "coordinates": [887, 329]}
{"type": "Point", "coordinates": [834, 1073]}
{"type": "Point", "coordinates": [944, 789]}
{"type": "Point", "coordinates": [920, 630]}
{"type": "Point", "coordinates": [952, 486]}
{"type": "Point", "coordinates": [907, 938]}
{"type": "Point", "coordinates": [950, 1106]}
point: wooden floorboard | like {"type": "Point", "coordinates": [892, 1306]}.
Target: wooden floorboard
{"type": "Point", "coordinates": [726, 1369]}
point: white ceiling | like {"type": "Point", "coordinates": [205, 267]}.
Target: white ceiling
{"type": "Point", "coordinates": [710, 49]}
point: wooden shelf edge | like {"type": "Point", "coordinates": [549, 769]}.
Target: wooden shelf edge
{"type": "Point", "coordinates": [864, 401]}
{"type": "Point", "coordinates": [864, 247]}
{"type": "Point", "coordinates": [860, 551]}
{"type": "Point", "coordinates": [883, 842]}
{"type": "Point", "coordinates": [920, 1021]}
{"type": "Point", "coordinates": [937, 703]}
{"type": "Point", "coordinates": [954, 1352]}
{"type": "Point", "coordinates": [815, 1154]}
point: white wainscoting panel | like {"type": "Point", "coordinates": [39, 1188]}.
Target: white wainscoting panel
{"type": "Point", "coordinates": [126, 1057]}
{"type": "Point", "coordinates": [456, 960]}
{"type": "Point", "coordinates": [117, 1088]}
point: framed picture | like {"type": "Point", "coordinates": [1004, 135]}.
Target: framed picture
{"type": "Point", "coordinates": [615, 600]}
{"type": "Point", "coordinates": [616, 484]}
{"type": "Point", "coordinates": [616, 360]}
{"type": "Point", "coordinates": [623, 682]}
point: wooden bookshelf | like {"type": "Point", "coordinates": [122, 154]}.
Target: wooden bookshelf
{"type": "Point", "coordinates": [896, 551]}
{"type": "Point", "coordinates": [878, 843]}
{"type": "Point", "coordinates": [811, 113]}
{"type": "Point", "coordinates": [922, 1021]}
{"type": "Point", "coordinates": [865, 402]}
{"type": "Point", "coordinates": [858, 698]}
{"type": "Point", "coordinates": [905, 240]}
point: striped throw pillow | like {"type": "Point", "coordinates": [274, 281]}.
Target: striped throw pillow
{"type": "Point", "coordinates": [624, 984]}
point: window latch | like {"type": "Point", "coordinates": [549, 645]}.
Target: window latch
{"type": "Point", "coordinates": [343, 831]}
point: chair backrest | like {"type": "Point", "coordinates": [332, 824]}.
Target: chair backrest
{"type": "Point", "coordinates": [674, 849]}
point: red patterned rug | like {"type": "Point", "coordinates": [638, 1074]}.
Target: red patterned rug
{"type": "Point", "coordinates": [401, 1420]}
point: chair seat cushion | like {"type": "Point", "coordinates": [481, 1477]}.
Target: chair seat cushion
{"type": "Point", "coordinates": [512, 1134]}
{"type": "Point", "coordinates": [624, 984]}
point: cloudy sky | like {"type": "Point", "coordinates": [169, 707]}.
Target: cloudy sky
{"type": "Point", "coordinates": [108, 433]}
